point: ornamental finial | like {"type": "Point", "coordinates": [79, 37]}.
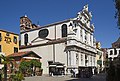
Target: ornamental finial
{"type": "Point", "coordinates": [85, 7]}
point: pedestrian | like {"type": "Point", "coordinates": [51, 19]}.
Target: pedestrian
{"type": "Point", "coordinates": [71, 71]}
{"type": "Point", "coordinates": [74, 73]}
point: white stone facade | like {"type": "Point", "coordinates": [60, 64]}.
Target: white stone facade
{"type": "Point", "coordinates": [75, 50]}
{"type": "Point", "coordinates": [113, 53]}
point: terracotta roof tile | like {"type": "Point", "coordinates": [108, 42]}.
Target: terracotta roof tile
{"type": "Point", "coordinates": [19, 54]}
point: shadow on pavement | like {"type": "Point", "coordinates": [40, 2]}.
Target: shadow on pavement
{"type": "Point", "coordinates": [100, 77]}
{"type": "Point", "coordinates": [81, 79]}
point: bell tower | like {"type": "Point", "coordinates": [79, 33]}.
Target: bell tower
{"type": "Point", "coordinates": [26, 23]}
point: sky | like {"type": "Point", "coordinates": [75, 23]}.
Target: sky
{"type": "Point", "coordinates": [45, 12]}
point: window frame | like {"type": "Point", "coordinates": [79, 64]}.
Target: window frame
{"type": "Point", "coordinates": [15, 48]}
{"type": "Point", "coordinates": [25, 39]}
{"type": "Point", "coordinates": [115, 51]}
{"type": "Point", "coordinates": [111, 52]}
{"type": "Point", "coordinates": [64, 30]}
{"type": "Point", "coordinates": [43, 33]}
{"type": "Point", "coordinates": [0, 48]}
{"type": "Point", "coordinates": [7, 34]}
{"type": "Point", "coordinates": [15, 39]}
{"type": "Point", "coordinates": [0, 36]}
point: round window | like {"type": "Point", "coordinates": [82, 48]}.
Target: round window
{"type": "Point", "coordinates": [43, 33]}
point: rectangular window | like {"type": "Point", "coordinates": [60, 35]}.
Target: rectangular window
{"type": "Point", "coordinates": [77, 58]}
{"type": "Point", "coordinates": [7, 34]}
{"type": "Point", "coordinates": [0, 37]}
{"type": "Point", "coordinates": [0, 60]}
{"type": "Point", "coordinates": [0, 48]}
{"type": "Point", "coordinates": [69, 58]}
{"type": "Point", "coordinates": [115, 52]}
{"type": "Point", "coordinates": [15, 49]}
{"type": "Point", "coordinates": [86, 35]}
{"type": "Point", "coordinates": [111, 52]}
{"type": "Point", "coordinates": [15, 40]}
{"type": "Point", "coordinates": [81, 32]}
{"type": "Point", "coordinates": [81, 59]}
{"type": "Point", "coordinates": [0, 51]}
{"type": "Point", "coordinates": [91, 60]}
{"type": "Point", "coordinates": [94, 61]}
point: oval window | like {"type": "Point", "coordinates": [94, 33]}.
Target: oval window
{"type": "Point", "coordinates": [43, 33]}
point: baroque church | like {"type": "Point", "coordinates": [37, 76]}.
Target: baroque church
{"type": "Point", "coordinates": [64, 46]}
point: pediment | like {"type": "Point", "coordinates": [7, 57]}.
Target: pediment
{"type": "Point", "coordinates": [37, 40]}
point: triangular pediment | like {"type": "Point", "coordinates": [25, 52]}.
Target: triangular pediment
{"type": "Point", "coordinates": [37, 39]}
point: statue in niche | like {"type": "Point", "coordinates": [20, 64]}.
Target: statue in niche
{"type": "Point", "coordinates": [71, 28]}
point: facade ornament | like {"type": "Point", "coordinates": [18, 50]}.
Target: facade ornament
{"type": "Point", "coordinates": [79, 15]}
{"type": "Point", "coordinates": [85, 8]}
{"type": "Point", "coordinates": [90, 13]}
{"type": "Point", "coordinates": [71, 28]}
{"type": "Point", "coordinates": [92, 26]}
{"type": "Point", "coordinates": [25, 15]}
{"type": "Point", "coordinates": [84, 11]}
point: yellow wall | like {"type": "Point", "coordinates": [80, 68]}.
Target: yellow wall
{"type": "Point", "coordinates": [98, 55]}
{"type": "Point", "coordinates": [7, 44]}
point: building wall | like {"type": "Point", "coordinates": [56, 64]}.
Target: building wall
{"type": "Point", "coordinates": [113, 52]}
{"type": "Point", "coordinates": [7, 42]}
{"type": "Point", "coordinates": [46, 52]}
{"type": "Point", "coordinates": [105, 54]}
{"type": "Point", "coordinates": [79, 40]}
{"type": "Point", "coordinates": [60, 53]}
{"type": "Point", "coordinates": [54, 33]}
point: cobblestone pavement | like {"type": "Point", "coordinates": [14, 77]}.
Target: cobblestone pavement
{"type": "Point", "coordinates": [100, 77]}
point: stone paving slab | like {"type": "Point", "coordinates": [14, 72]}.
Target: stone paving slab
{"type": "Point", "coordinates": [100, 77]}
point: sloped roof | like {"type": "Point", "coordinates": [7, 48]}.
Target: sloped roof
{"type": "Point", "coordinates": [24, 53]}
{"type": "Point", "coordinates": [8, 32]}
{"type": "Point", "coordinates": [118, 40]}
{"type": "Point", "coordinates": [45, 26]}
{"type": "Point", "coordinates": [59, 40]}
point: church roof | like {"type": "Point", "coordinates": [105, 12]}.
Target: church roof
{"type": "Point", "coordinates": [118, 40]}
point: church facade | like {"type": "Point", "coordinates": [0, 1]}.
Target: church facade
{"type": "Point", "coordinates": [68, 44]}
